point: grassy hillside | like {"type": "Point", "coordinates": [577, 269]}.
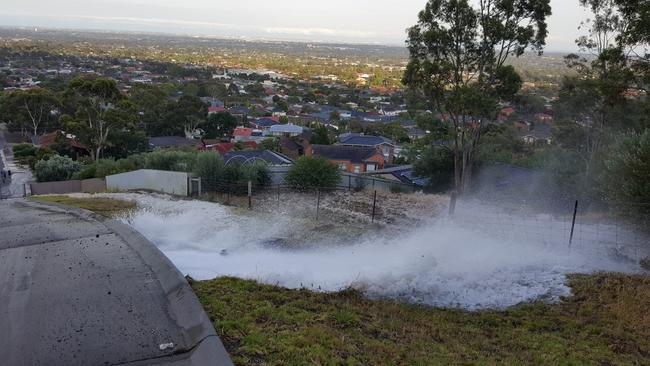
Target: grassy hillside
{"type": "Point", "coordinates": [606, 322]}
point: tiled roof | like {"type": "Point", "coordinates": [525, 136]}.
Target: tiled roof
{"type": "Point", "coordinates": [363, 140]}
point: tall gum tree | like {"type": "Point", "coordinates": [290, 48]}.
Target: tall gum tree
{"type": "Point", "coordinates": [98, 111]}
{"type": "Point", "coordinates": [458, 53]}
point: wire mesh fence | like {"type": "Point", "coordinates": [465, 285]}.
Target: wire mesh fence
{"type": "Point", "coordinates": [597, 228]}
{"type": "Point", "coordinates": [606, 229]}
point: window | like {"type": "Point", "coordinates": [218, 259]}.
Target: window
{"type": "Point", "coordinates": [357, 169]}
{"type": "Point", "coordinates": [343, 167]}
{"type": "Point", "coordinates": [371, 167]}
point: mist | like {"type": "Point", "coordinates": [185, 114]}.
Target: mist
{"type": "Point", "coordinates": [480, 259]}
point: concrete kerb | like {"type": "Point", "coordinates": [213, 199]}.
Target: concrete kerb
{"type": "Point", "coordinates": [184, 307]}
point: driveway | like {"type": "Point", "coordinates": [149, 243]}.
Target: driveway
{"type": "Point", "coordinates": [77, 289]}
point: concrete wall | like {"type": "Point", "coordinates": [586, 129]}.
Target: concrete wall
{"type": "Point", "coordinates": [68, 186]}
{"type": "Point", "coordinates": [175, 183]}
{"type": "Point", "coordinates": [95, 185]}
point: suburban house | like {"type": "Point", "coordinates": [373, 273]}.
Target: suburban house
{"type": "Point", "coordinates": [225, 147]}
{"type": "Point", "coordinates": [285, 130]}
{"type": "Point", "coordinates": [352, 159]}
{"type": "Point", "coordinates": [267, 156]}
{"type": "Point", "coordinates": [382, 144]}
{"type": "Point", "coordinates": [59, 136]}
{"type": "Point", "coordinates": [215, 109]}
{"type": "Point", "coordinates": [402, 173]}
{"type": "Point", "coordinates": [295, 147]}
{"type": "Point", "coordinates": [264, 123]}
{"type": "Point", "coordinates": [540, 134]}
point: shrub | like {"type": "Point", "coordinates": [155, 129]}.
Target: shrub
{"type": "Point", "coordinates": [171, 160]}
{"type": "Point", "coordinates": [234, 180]}
{"type": "Point", "coordinates": [87, 172]}
{"type": "Point", "coordinates": [24, 150]}
{"type": "Point", "coordinates": [309, 173]}
{"type": "Point", "coordinates": [209, 166]}
{"type": "Point", "coordinates": [258, 173]}
{"type": "Point", "coordinates": [57, 168]}
{"type": "Point", "coordinates": [42, 153]}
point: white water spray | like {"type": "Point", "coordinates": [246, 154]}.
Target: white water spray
{"type": "Point", "coordinates": [440, 264]}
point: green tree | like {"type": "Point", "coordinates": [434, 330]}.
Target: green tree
{"type": "Point", "coordinates": [31, 110]}
{"type": "Point", "coordinates": [151, 102]}
{"type": "Point", "coordinates": [255, 90]}
{"type": "Point", "coordinates": [56, 168]}
{"type": "Point", "coordinates": [210, 168]}
{"type": "Point", "coordinates": [320, 136]}
{"type": "Point", "coordinates": [457, 62]}
{"type": "Point", "coordinates": [269, 143]}
{"type": "Point", "coordinates": [394, 131]}
{"type": "Point", "coordinates": [437, 164]}
{"type": "Point", "coordinates": [595, 104]}
{"type": "Point", "coordinates": [221, 124]}
{"type": "Point", "coordinates": [627, 170]}
{"type": "Point", "coordinates": [99, 110]}
{"type": "Point", "coordinates": [313, 173]}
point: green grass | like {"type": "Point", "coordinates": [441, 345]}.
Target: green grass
{"type": "Point", "coordinates": [107, 207]}
{"type": "Point", "coordinates": [606, 322]}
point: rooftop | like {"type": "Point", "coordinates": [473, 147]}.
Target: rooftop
{"type": "Point", "coordinates": [355, 154]}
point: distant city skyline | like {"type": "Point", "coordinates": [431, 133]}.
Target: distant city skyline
{"type": "Point", "coordinates": [358, 21]}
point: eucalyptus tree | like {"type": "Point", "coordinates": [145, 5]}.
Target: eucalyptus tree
{"type": "Point", "coordinates": [30, 110]}
{"type": "Point", "coordinates": [100, 108]}
{"type": "Point", "coordinates": [608, 94]}
{"type": "Point", "coordinates": [458, 52]}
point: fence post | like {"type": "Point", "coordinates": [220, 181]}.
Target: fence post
{"type": "Point", "coordinates": [349, 183]}
{"type": "Point", "coordinates": [250, 194]}
{"type": "Point", "coordinates": [278, 193]}
{"type": "Point", "coordinates": [452, 203]}
{"type": "Point", "coordinates": [374, 204]}
{"type": "Point", "coordinates": [573, 223]}
{"type": "Point", "coordinates": [200, 186]}
{"type": "Point", "coordinates": [24, 189]}
{"type": "Point", "coordinates": [317, 204]}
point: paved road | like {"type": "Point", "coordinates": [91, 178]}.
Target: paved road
{"type": "Point", "coordinates": [76, 289]}
{"type": "Point", "coordinates": [14, 187]}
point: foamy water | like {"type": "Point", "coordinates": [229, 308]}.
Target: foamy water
{"type": "Point", "coordinates": [443, 263]}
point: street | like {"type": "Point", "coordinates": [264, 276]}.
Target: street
{"type": "Point", "coordinates": [14, 186]}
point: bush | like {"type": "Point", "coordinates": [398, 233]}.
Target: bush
{"type": "Point", "coordinates": [42, 153]}
{"type": "Point", "coordinates": [258, 173]}
{"type": "Point", "coordinates": [24, 150]}
{"type": "Point", "coordinates": [57, 168]}
{"type": "Point", "coordinates": [171, 160]}
{"type": "Point", "coordinates": [437, 164]}
{"type": "Point", "coordinates": [87, 172]}
{"type": "Point", "coordinates": [310, 173]}
{"type": "Point", "coordinates": [209, 166]}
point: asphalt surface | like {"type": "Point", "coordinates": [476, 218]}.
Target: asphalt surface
{"type": "Point", "coordinates": [16, 186]}
{"type": "Point", "coordinates": [77, 289]}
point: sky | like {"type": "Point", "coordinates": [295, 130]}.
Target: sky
{"type": "Point", "coordinates": [349, 21]}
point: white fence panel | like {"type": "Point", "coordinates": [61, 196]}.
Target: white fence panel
{"type": "Point", "coordinates": [175, 183]}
